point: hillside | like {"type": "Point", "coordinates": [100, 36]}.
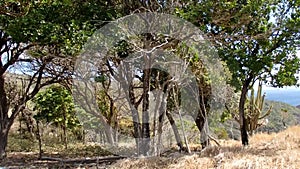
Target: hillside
{"type": "Point", "coordinates": [278, 150]}
{"type": "Point", "coordinates": [282, 115]}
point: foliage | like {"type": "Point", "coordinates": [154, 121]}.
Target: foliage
{"type": "Point", "coordinates": [251, 37]}
{"type": "Point", "coordinates": [88, 121]}
{"type": "Point", "coordinates": [40, 39]}
{"type": "Point", "coordinates": [65, 24]}
{"type": "Point", "coordinates": [55, 105]}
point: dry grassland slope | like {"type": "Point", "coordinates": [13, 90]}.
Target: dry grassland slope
{"type": "Point", "coordinates": [275, 151]}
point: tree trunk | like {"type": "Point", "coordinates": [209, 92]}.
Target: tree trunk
{"type": "Point", "coordinates": [188, 150]}
{"type": "Point", "coordinates": [3, 143]}
{"type": "Point", "coordinates": [26, 116]}
{"type": "Point", "coordinates": [135, 117]}
{"type": "Point", "coordinates": [38, 134]}
{"type": "Point", "coordinates": [157, 96]}
{"type": "Point", "coordinates": [204, 137]}
{"type": "Point", "coordinates": [201, 121]}
{"type": "Point", "coordinates": [64, 127]}
{"type": "Point", "coordinates": [65, 136]}
{"type": "Point", "coordinates": [175, 130]}
{"type": "Point", "coordinates": [243, 122]}
{"type": "Point", "coordinates": [5, 126]}
{"type": "Point", "coordinates": [113, 120]}
{"type": "Point", "coordinates": [108, 130]}
{"type": "Point", "coordinates": [109, 134]}
{"type": "Point", "coordinates": [4, 120]}
{"type": "Point", "coordinates": [20, 126]}
{"type": "Point", "coordinates": [116, 125]}
{"type": "Point", "coordinates": [145, 109]}
{"type": "Point", "coordinates": [162, 110]}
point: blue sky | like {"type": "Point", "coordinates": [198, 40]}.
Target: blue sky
{"type": "Point", "coordinates": [290, 95]}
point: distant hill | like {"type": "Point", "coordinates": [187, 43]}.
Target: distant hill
{"type": "Point", "coordinates": [282, 115]}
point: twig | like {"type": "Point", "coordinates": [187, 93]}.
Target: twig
{"type": "Point", "coordinates": [215, 140]}
{"type": "Point", "coordinates": [85, 161]}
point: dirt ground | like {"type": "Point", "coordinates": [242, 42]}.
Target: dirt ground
{"type": "Point", "coordinates": [274, 151]}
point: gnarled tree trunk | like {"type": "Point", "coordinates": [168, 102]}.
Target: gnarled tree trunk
{"type": "Point", "coordinates": [3, 141]}
{"type": "Point", "coordinates": [145, 108]}
{"type": "Point", "coordinates": [4, 127]}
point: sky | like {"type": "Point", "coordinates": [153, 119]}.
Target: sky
{"type": "Point", "coordinates": [290, 95]}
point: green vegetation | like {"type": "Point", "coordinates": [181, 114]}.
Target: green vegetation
{"type": "Point", "coordinates": [55, 106]}
{"type": "Point", "coordinates": [42, 41]}
{"type": "Point", "coordinates": [281, 117]}
{"type": "Point", "coordinates": [250, 43]}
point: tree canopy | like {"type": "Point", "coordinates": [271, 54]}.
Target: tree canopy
{"type": "Point", "coordinates": [42, 39]}
{"type": "Point", "coordinates": [251, 37]}
{"type": "Point", "coordinates": [55, 105]}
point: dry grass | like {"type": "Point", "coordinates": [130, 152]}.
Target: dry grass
{"type": "Point", "coordinates": [275, 151]}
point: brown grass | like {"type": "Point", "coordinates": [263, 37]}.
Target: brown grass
{"type": "Point", "coordinates": [274, 151]}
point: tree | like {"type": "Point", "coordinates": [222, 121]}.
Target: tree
{"type": "Point", "coordinates": [252, 37]}
{"type": "Point", "coordinates": [134, 63]}
{"type": "Point", "coordinates": [39, 39]}
{"type": "Point", "coordinates": [55, 105]}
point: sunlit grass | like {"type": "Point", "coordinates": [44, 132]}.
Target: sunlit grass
{"type": "Point", "coordinates": [281, 150]}
{"type": "Point", "coordinates": [276, 150]}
